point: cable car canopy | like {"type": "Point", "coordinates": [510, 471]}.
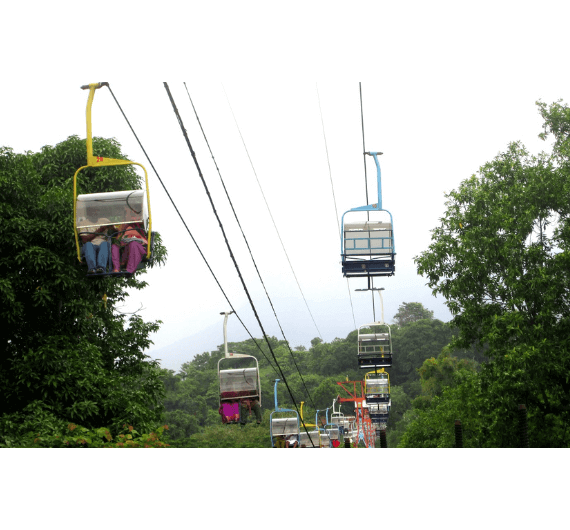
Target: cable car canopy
{"type": "Point", "coordinates": [367, 244]}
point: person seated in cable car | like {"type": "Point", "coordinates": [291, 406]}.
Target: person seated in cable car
{"type": "Point", "coordinates": [95, 244]}
{"type": "Point", "coordinates": [279, 441]}
{"type": "Point", "coordinates": [131, 238]}
{"type": "Point", "coordinates": [229, 410]}
{"type": "Point", "coordinates": [292, 441]}
{"type": "Point", "coordinates": [246, 405]}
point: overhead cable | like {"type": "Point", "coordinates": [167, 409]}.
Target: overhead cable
{"type": "Point", "coordinates": [187, 229]}
{"type": "Point", "coordinates": [334, 198]}
{"type": "Point", "coordinates": [271, 215]}
{"type": "Point", "coordinates": [248, 247]}
{"type": "Point", "coordinates": [185, 134]}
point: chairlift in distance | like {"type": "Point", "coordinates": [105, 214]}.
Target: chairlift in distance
{"type": "Point", "coordinates": [374, 346]}
{"type": "Point", "coordinates": [283, 422]}
{"type": "Point", "coordinates": [379, 428]}
{"type": "Point", "coordinates": [325, 440]}
{"type": "Point", "coordinates": [375, 340]}
{"type": "Point", "coordinates": [308, 438]}
{"type": "Point", "coordinates": [118, 207]}
{"type": "Point", "coordinates": [332, 429]}
{"type": "Point", "coordinates": [367, 245]}
{"type": "Point", "coordinates": [238, 382]}
{"type": "Point", "coordinates": [377, 386]}
{"type": "Point", "coordinates": [339, 419]}
{"type": "Point", "coordinates": [379, 412]}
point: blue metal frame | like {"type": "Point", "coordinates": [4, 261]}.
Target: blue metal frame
{"type": "Point", "coordinates": [329, 426]}
{"type": "Point", "coordinates": [369, 267]}
{"type": "Point", "coordinates": [323, 429]}
{"type": "Point", "coordinates": [277, 409]}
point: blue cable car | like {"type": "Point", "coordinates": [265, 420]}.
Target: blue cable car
{"type": "Point", "coordinates": [367, 244]}
{"type": "Point", "coordinates": [284, 427]}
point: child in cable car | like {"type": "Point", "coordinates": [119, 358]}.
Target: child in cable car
{"type": "Point", "coordinates": [132, 240]}
{"type": "Point", "coordinates": [95, 244]}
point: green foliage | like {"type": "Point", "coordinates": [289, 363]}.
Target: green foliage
{"type": "Point", "coordinates": [501, 258]}
{"type": "Point", "coordinates": [411, 312]}
{"type": "Point", "coordinates": [43, 429]}
{"type": "Point", "coordinates": [435, 374]}
{"type": "Point", "coordinates": [431, 423]}
{"type": "Point", "coordinates": [192, 401]}
{"type": "Point", "coordinates": [412, 344]}
{"type": "Point", "coordinates": [63, 344]}
{"type": "Point", "coordinates": [252, 435]}
{"type": "Point", "coordinates": [401, 403]}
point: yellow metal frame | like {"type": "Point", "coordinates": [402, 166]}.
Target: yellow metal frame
{"type": "Point", "coordinates": [381, 371]}
{"type": "Point", "coordinates": [301, 414]}
{"type": "Point", "coordinates": [99, 161]}
{"type": "Point", "coordinates": [309, 424]}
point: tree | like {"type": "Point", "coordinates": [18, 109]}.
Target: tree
{"type": "Point", "coordinates": [411, 312]}
{"type": "Point", "coordinates": [65, 347]}
{"type": "Point", "coordinates": [413, 343]}
{"type": "Point", "coordinates": [436, 374]}
{"type": "Point", "coordinates": [501, 258]}
{"type": "Point", "coordinates": [430, 421]}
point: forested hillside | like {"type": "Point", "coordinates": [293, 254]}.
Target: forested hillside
{"type": "Point", "coordinates": [73, 369]}
{"type": "Point", "coordinates": [191, 404]}
{"type": "Point", "coordinates": [67, 357]}
{"type": "Point", "coordinates": [500, 258]}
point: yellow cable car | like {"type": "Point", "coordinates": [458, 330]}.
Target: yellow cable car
{"type": "Point", "coordinates": [101, 217]}
{"type": "Point", "coordinates": [377, 386]}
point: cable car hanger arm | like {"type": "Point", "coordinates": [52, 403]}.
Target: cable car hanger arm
{"type": "Point", "coordinates": [99, 161]}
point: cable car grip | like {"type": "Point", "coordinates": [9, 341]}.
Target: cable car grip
{"type": "Point", "coordinates": [97, 85]}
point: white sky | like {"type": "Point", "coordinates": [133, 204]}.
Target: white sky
{"type": "Point", "coordinates": [445, 88]}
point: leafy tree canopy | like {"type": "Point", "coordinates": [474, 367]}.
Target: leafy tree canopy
{"type": "Point", "coordinates": [411, 312]}
{"type": "Point", "coordinates": [501, 258]}
{"type": "Point", "coordinates": [65, 347]}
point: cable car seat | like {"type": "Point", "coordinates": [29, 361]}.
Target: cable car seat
{"type": "Point", "coordinates": [109, 270]}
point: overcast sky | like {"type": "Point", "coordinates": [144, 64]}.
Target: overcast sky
{"type": "Point", "coordinates": [445, 89]}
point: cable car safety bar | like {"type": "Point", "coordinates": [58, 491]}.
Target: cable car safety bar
{"type": "Point", "coordinates": [99, 161]}
{"type": "Point", "coordinates": [370, 208]}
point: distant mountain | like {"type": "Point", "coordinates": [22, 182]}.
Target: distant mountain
{"type": "Point", "coordinates": [175, 355]}
{"type": "Point", "coordinates": [297, 324]}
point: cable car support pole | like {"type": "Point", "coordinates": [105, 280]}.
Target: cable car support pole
{"type": "Point", "coordinates": [363, 145]}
